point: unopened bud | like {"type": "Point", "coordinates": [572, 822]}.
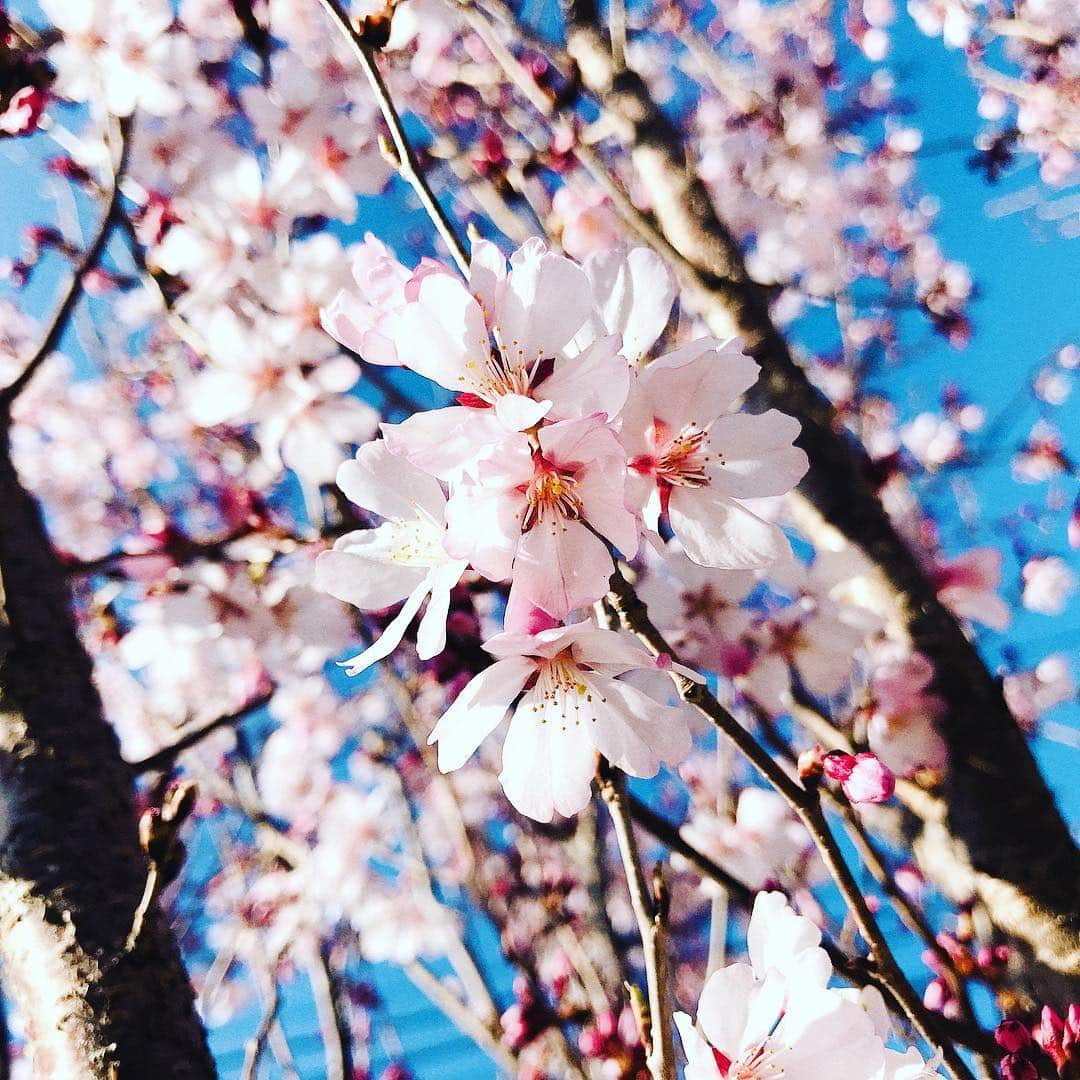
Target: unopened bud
{"type": "Point", "coordinates": [1015, 1067]}
{"type": "Point", "coordinates": [1012, 1036]}
{"type": "Point", "coordinates": [870, 780]}
{"type": "Point", "coordinates": [838, 765]}
{"type": "Point", "coordinates": [811, 764]}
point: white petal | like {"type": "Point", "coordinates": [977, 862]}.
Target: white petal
{"type": "Point", "coordinates": [444, 442]}
{"type": "Point", "coordinates": [634, 294]}
{"type": "Point", "coordinates": [442, 335]}
{"type": "Point", "coordinates": [431, 634]}
{"type": "Point", "coordinates": [720, 532]}
{"type": "Point", "coordinates": [757, 453]}
{"type": "Point", "coordinates": [518, 413]}
{"type": "Point", "coordinates": [548, 761]}
{"type": "Point", "coordinates": [391, 637]}
{"type": "Point", "coordinates": [633, 731]}
{"type": "Point", "coordinates": [595, 381]}
{"type": "Point", "coordinates": [561, 567]}
{"type": "Point", "coordinates": [478, 709]}
{"type": "Point", "coordinates": [364, 576]}
{"type": "Point", "coordinates": [697, 383]}
{"type": "Point", "coordinates": [546, 299]}
{"type": "Point", "coordinates": [390, 486]}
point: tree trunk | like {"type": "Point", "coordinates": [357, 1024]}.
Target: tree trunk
{"type": "Point", "coordinates": [72, 872]}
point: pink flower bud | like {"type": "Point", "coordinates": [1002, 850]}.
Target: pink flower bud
{"type": "Point", "coordinates": [936, 995]}
{"type": "Point", "coordinates": [1012, 1036]}
{"type": "Point", "coordinates": [1072, 1027]}
{"type": "Point", "coordinates": [838, 765]}
{"type": "Point", "coordinates": [1015, 1067]}
{"type": "Point", "coordinates": [24, 111]}
{"type": "Point", "coordinates": [1050, 1035]}
{"type": "Point", "coordinates": [869, 780]}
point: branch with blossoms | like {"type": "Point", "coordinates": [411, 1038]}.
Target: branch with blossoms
{"type": "Point", "coordinates": [546, 486]}
{"type": "Point", "coordinates": [706, 252]}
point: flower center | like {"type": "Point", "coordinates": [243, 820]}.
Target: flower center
{"type": "Point", "coordinates": [552, 498]}
{"type": "Point", "coordinates": [505, 370]}
{"type": "Point", "coordinates": [755, 1064]}
{"type": "Point", "coordinates": [561, 693]}
{"type": "Point", "coordinates": [417, 542]}
{"type": "Point", "coordinates": [686, 458]}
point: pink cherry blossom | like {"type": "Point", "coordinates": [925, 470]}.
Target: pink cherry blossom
{"type": "Point", "coordinates": [968, 585]}
{"type": "Point", "coordinates": [695, 462]}
{"type": "Point", "coordinates": [536, 514]}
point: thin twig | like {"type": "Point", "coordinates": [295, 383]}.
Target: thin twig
{"type": "Point", "coordinates": [408, 166]}
{"type": "Point", "coordinates": [167, 755]}
{"type": "Point", "coordinates": [333, 1023]}
{"type": "Point", "coordinates": [73, 289]}
{"type": "Point", "coordinates": [649, 910]}
{"type": "Point", "coordinates": [253, 1048]}
{"type": "Point", "coordinates": [459, 1014]}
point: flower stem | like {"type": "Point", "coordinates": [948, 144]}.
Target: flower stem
{"type": "Point", "coordinates": [407, 165]}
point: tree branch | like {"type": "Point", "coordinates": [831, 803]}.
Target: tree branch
{"type": "Point", "coordinates": [165, 757]}
{"type": "Point", "coordinates": [73, 288]}
{"type": "Point", "coordinates": [407, 165]}
{"type": "Point", "coordinates": [650, 912]}
{"type": "Point", "coordinates": [71, 868]}
{"type": "Point", "coordinates": [806, 804]}
{"type": "Point", "coordinates": [987, 844]}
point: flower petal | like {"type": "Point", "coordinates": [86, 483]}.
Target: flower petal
{"type": "Point", "coordinates": [546, 299]}
{"type": "Point", "coordinates": [364, 575]}
{"type": "Point", "coordinates": [634, 294]}
{"type": "Point", "coordinates": [478, 709]}
{"type": "Point", "coordinates": [391, 637]}
{"type": "Point", "coordinates": [721, 532]}
{"type": "Point", "coordinates": [390, 486]}
{"type": "Point", "coordinates": [548, 760]}
{"type": "Point", "coordinates": [757, 454]}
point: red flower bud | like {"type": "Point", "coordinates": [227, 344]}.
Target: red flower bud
{"type": "Point", "coordinates": [1015, 1067]}
{"type": "Point", "coordinates": [1012, 1036]}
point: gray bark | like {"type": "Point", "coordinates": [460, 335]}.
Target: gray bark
{"type": "Point", "coordinates": [71, 868]}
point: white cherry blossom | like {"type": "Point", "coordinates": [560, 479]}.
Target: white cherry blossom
{"type": "Point", "coordinates": [401, 560]}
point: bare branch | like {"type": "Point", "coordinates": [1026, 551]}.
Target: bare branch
{"type": "Point", "coordinates": [165, 757]}
{"type": "Point", "coordinates": [649, 910]}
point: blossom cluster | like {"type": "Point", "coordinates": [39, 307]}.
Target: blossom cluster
{"type": "Point", "coordinates": [778, 1015]}
{"type": "Point", "coordinates": [565, 444]}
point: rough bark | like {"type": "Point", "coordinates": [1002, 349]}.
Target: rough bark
{"type": "Point", "coordinates": [1004, 839]}
{"type": "Point", "coordinates": [71, 869]}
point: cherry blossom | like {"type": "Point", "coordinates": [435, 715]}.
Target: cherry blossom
{"type": "Point", "coordinates": [757, 1019]}
{"type": "Point", "coordinates": [402, 559]}
{"type": "Point", "coordinates": [696, 462]}
{"type": "Point", "coordinates": [1048, 584]}
{"type": "Point", "coordinates": [572, 706]}
{"type": "Point", "coordinates": [540, 515]}
{"type": "Point", "coordinates": [903, 712]}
